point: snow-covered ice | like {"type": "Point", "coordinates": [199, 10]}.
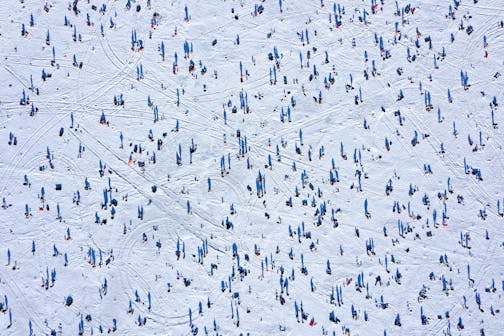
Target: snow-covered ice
{"type": "Point", "coordinates": [276, 167]}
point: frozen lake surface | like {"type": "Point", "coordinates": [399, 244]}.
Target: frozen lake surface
{"type": "Point", "coordinates": [251, 168]}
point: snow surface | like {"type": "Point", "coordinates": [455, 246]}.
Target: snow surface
{"type": "Point", "coordinates": [193, 238]}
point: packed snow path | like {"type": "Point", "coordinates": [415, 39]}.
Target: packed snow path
{"type": "Point", "coordinates": [268, 168]}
